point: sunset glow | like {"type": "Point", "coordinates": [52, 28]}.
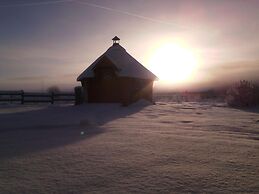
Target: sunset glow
{"type": "Point", "coordinates": [189, 45]}
{"type": "Point", "coordinates": [173, 63]}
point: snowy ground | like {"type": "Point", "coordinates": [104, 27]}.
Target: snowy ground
{"type": "Point", "coordinates": [106, 148]}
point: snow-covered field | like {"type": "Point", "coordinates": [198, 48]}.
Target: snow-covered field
{"type": "Point", "coordinates": [106, 148]}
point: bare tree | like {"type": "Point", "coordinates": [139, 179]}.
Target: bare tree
{"type": "Point", "coordinates": [242, 94]}
{"type": "Point", "coordinates": [53, 89]}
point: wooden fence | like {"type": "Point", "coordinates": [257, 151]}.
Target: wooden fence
{"type": "Point", "coordinates": [32, 97]}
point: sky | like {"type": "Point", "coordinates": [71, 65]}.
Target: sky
{"type": "Point", "coordinates": [45, 43]}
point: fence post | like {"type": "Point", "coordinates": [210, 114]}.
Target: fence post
{"type": "Point", "coordinates": [79, 96]}
{"type": "Point", "coordinates": [52, 97]}
{"type": "Point", "coordinates": [22, 97]}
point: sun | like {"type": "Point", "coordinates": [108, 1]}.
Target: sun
{"type": "Point", "coordinates": [173, 63]}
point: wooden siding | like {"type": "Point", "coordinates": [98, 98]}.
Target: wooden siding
{"type": "Point", "coordinates": [118, 89]}
{"type": "Point", "coordinates": [106, 86]}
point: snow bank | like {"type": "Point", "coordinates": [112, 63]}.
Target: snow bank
{"type": "Point", "coordinates": [142, 102]}
{"type": "Point", "coordinates": [107, 148]}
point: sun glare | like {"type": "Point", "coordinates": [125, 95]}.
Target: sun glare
{"type": "Point", "coordinates": [173, 63]}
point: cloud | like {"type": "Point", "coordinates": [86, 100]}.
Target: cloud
{"type": "Point", "coordinates": [34, 3]}
{"type": "Point", "coordinates": [42, 77]}
{"type": "Point", "coordinates": [28, 78]}
{"type": "Point", "coordinates": [235, 66]}
{"type": "Point", "coordinates": [224, 73]}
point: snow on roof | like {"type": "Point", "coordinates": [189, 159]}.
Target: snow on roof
{"type": "Point", "coordinates": [126, 64]}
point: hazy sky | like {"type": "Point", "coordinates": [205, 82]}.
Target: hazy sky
{"type": "Point", "coordinates": [45, 43]}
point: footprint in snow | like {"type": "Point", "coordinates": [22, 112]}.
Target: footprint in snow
{"type": "Point", "coordinates": [186, 121]}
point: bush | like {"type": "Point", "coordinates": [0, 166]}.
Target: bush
{"type": "Point", "coordinates": [53, 89]}
{"type": "Point", "coordinates": [243, 94]}
{"type": "Point", "coordinates": [256, 89]}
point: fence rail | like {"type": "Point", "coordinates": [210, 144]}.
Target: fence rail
{"type": "Point", "coordinates": [33, 97]}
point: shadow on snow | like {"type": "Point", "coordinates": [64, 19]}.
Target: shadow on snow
{"type": "Point", "coordinates": [54, 126]}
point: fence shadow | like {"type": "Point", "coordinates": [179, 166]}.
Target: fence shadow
{"type": "Point", "coordinates": [54, 126]}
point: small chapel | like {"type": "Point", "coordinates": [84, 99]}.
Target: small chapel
{"type": "Point", "coordinates": [116, 77]}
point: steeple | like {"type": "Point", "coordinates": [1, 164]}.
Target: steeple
{"type": "Point", "coordinates": [116, 40]}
